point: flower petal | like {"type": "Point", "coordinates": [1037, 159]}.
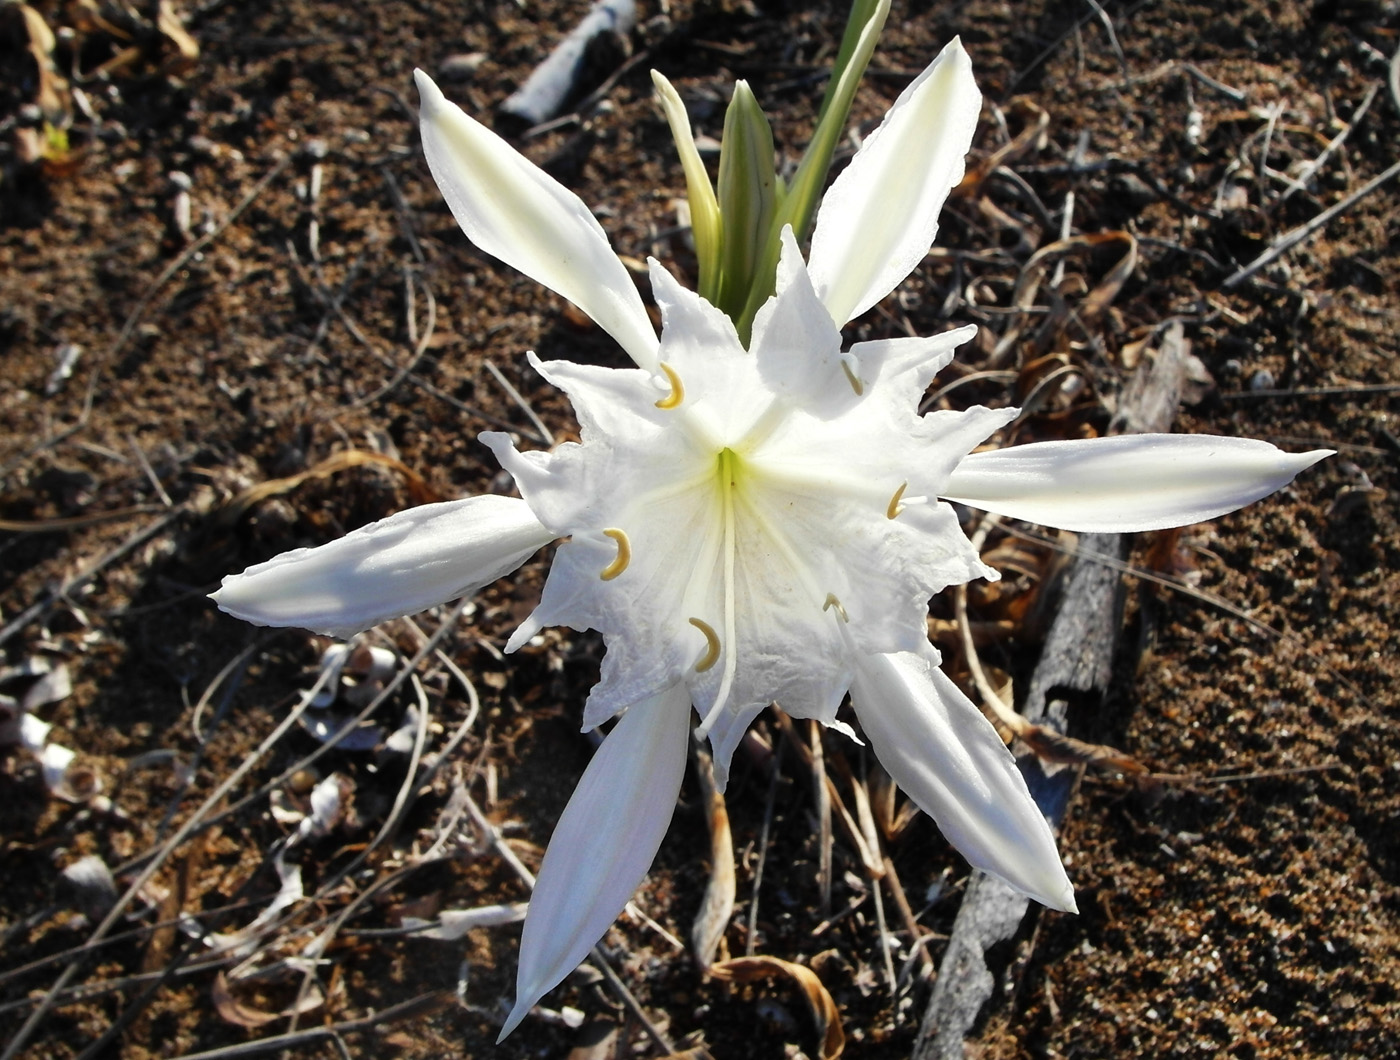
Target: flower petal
{"type": "Point", "coordinates": [947, 757]}
{"type": "Point", "coordinates": [408, 562]}
{"type": "Point", "coordinates": [513, 210]}
{"type": "Point", "coordinates": [880, 215]}
{"type": "Point", "coordinates": [604, 843]}
{"type": "Point", "coordinates": [797, 347]}
{"type": "Point", "coordinates": [908, 364]}
{"type": "Point", "coordinates": [1125, 483]}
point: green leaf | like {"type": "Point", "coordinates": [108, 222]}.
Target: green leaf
{"type": "Point", "coordinates": [799, 205]}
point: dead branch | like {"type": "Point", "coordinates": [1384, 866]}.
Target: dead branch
{"type": "Point", "coordinates": [37, 610]}
{"type": "Point", "coordinates": [171, 845]}
{"type": "Point", "coordinates": [1291, 239]}
{"type": "Point", "coordinates": [418, 1006]}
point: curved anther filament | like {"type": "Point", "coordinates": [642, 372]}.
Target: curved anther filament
{"type": "Point", "coordinates": [711, 645]}
{"type": "Point", "coordinates": [624, 555]}
{"type": "Point", "coordinates": [851, 376]}
{"type": "Point", "coordinates": [831, 602]}
{"type": "Point", "coordinates": [895, 507]}
{"type": "Point", "coordinates": [677, 394]}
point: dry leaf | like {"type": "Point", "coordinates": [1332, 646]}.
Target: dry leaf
{"type": "Point", "coordinates": [186, 50]}
{"type": "Point", "coordinates": [824, 1011]}
{"type": "Point", "coordinates": [52, 687]}
{"type": "Point", "coordinates": [32, 33]}
{"type": "Point", "coordinates": [241, 1015]}
{"type": "Point", "coordinates": [418, 489]}
{"type": "Point", "coordinates": [1099, 299]}
{"type": "Point", "coordinates": [718, 906]}
{"type": "Point", "coordinates": [452, 924]}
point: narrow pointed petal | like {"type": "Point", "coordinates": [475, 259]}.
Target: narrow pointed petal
{"type": "Point", "coordinates": [514, 211]}
{"type": "Point", "coordinates": [604, 843]}
{"type": "Point", "coordinates": [1126, 483]}
{"type": "Point", "coordinates": [947, 757]}
{"type": "Point", "coordinates": [880, 216]}
{"type": "Point", "coordinates": [797, 347]}
{"type": "Point", "coordinates": [400, 565]}
{"type": "Point", "coordinates": [909, 362]}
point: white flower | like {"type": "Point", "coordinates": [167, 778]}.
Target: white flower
{"type": "Point", "coordinates": [751, 525]}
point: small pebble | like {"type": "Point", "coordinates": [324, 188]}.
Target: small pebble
{"type": "Point", "coordinates": [461, 67]}
{"type": "Point", "coordinates": [66, 358]}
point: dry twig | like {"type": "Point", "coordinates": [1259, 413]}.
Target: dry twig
{"type": "Point", "coordinates": [1307, 230]}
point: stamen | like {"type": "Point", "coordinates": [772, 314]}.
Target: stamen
{"type": "Point", "coordinates": [851, 377]}
{"type": "Point", "coordinates": [831, 602]}
{"type": "Point", "coordinates": [677, 394]}
{"type": "Point", "coordinates": [895, 507]}
{"type": "Point", "coordinates": [624, 555]}
{"type": "Point", "coordinates": [711, 645]}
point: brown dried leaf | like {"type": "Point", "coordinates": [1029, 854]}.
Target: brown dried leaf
{"type": "Point", "coordinates": [718, 906]}
{"type": "Point", "coordinates": [34, 36]}
{"type": "Point", "coordinates": [236, 1012]}
{"type": "Point", "coordinates": [824, 1011]}
{"type": "Point", "coordinates": [1032, 136]}
{"type": "Point", "coordinates": [418, 489]}
{"type": "Point", "coordinates": [1099, 299]}
{"type": "Point", "coordinates": [873, 857]}
{"type": "Point", "coordinates": [186, 49]}
{"type": "Point", "coordinates": [171, 905]}
{"type": "Point", "coordinates": [1051, 746]}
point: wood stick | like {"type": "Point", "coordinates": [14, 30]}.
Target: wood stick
{"type": "Point", "coordinates": [1077, 658]}
{"type": "Point", "coordinates": [1289, 240]}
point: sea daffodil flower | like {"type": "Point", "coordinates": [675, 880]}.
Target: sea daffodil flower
{"type": "Point", "coordinates": [751, 524]}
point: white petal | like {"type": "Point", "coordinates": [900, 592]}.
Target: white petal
{"type": "Point", "coordinates": [513, 210]}
{"type": "Point", "coordinates": [880, 216]}
{"type": "Point", "coordinates": [1125, 483]}
{"type": "Point", "coordinates": [604, 843]}
{"type": "Point", "coordinates": [908, 364]}
{"type": "Point", "coordinates": [722, 385]}
{"type": "Point", "coordinates": [947, 757]}
{"type": "Point", "coordinates": [400, 565]}
{"type": "Point", "coordinates": [797, 346]}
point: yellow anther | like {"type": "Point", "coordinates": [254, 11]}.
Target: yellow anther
{"type": "Point", "coordinates": [711, 645]}
{"type": "Point", "coordinates": [624, 555]}
{"type": "Point", "coordinates": [856, 384]}
{"type": "Point", "coordinates": [677, 394]}
{"type": "Point", "coordinates": [831, 602]}
{"type": "Point", "coordinates": [895, 507]}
